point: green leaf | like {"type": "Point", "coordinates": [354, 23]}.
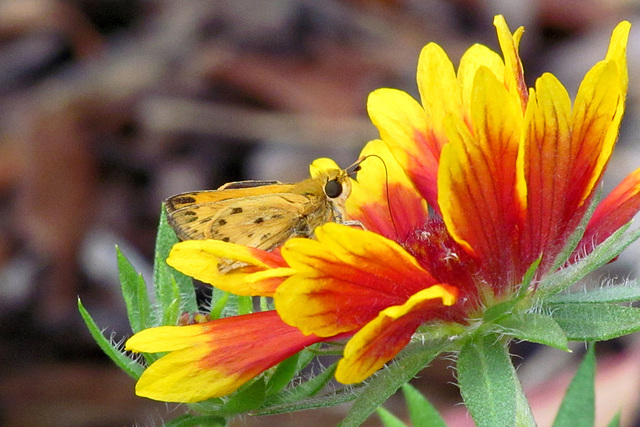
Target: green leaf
{"type": "Point", "coordinates": [613, 293]}
{"type": "Point", "coordinates": [388, 419]}
{"type": "Point", "coordinates": [165, 277]}
{"type": "Point", "coordinates": [578, 405]}
{"type": "Point", "coordinates": [134, 292]}
{"type": "Point", "coordinates": [283, 374]}
{"type": "Point", "coordinates": [173, 311]}
{"type": "Point", "coordinates": [219, 300]}
{"type": "Point", "coordinates": [421, 411]}
{"type": "Point", "coordinates": [302, 391]}
{"type": "Point", "coordinates": [386, 382]}
{"type": "Point", "coordinates": [595, 322]}
{"type": "Point", "coordinates": [248, 397]}
{"type": "Point", "coordinates": [343, 395]}
{"type": "Point", "coordinates": [601, 255]}
{"type": "Point", "coordinates": [615, 421]}
{"type": "Point", "coordinates": [188, 420]}
{"type": "Point", "coordinates": [245, 305]}
{"type": "Point", "coordinates": [535, 327]}
{"type": "Point", "coordinates": [123, 361]}
{"type": "Point", "coordinates": [489, 385]}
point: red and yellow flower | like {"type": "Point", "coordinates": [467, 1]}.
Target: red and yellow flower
{"type": "Point", "coordinates": [466, 190]}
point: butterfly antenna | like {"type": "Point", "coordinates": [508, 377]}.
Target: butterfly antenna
{"type": "Point", "coordinates": [356, 167]}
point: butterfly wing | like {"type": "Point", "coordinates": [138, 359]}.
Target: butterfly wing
{"type": "Point", "coordinates": [259, 220]}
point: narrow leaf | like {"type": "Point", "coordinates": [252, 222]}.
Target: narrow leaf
{"type": "Point", "coordinates": [246, 398]}
{"type": "Point", "coordinates": [614, 293]}
{"type": "Point", "coordinates": [343, 395]}
{"type": "Point", "coordinates": [578, 405]}
{"type": "Point", "coordinates": [164, 276]}
{"type": "Point", "coordinates": [134, 293]}
{"type": "Point", "coordinates": [595, 322]}
{"type": "Point", "coordinates": [388, 419]}
{"type": "Point", "coordinates": [535, 327]}
{"type": "Point", "coordinates": [303, 390]}
{"type": "Point", "coordinates": [129, 366]}
{"type": "Point", "coordinates": [421, 411]}
{"type": "Point", "coordinates": [615, 421]}
{"type": "Point", "coordinates": [601, 255]}
{"type": "Point", "coordinates": [173, 311]}
{"type": "Point", "coordinates": [188, 420]}
{"type": "Point", "coordinates": [488, 383]}
{"type": "Point", "coordinates": [386, 382]}
{"type": "Point", "coordinates": [283, 374]}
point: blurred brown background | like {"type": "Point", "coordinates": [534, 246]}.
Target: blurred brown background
{"type": "Point", "coordinates": [109, 106]}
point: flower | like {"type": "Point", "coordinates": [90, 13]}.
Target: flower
{"type": "Point", "coordinates": [508, 173]}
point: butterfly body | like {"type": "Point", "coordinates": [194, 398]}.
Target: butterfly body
{"type": "Point", "coordinates": [261, 214]}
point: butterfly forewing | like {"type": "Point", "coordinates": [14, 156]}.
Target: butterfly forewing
{"type": "Point", "coordinates": [262, 221]}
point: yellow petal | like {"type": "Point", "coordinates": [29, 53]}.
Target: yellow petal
{"type": "Point", "coordinates": [403, 126]}
{"type": "Point", "coordinates": [199, 259]}
{"type": "Point", "coordinates": [477, 175]}
{"type": "Point", "coordinates": [618, 51]}
{"type": "Point", "coordinates": [475, 57]}
{"type": "Point", "coordinates": [597, 113]}
{"type": "Point", "coordinates": [344, 279]}
{"type": "Point", "coordinates": [382, 338]}
{"type": "Point", "coordinates": [439, 88]}
{"type": "Point", "coordinates": [514, 74]}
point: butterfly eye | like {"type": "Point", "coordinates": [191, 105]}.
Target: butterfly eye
{"type": "Point", "coordinates": [333, 188]}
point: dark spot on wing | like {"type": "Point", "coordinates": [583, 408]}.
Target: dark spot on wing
{"type": "Point", "coordinates": [276, 216]}
{"type": "Point", "coordinates": [250, 235]}
{"type": "Point", "coordinates": [183, 200]}
{"type": "Point", "coordinates": [266, 236]}
{"type": "Point", "coordinates": [222, 222]}
{"type": "Point", "coordinates": [225, 239]}
{"type": "Point", "coordinates": [189, 216]}
{"type": "Point", "coordinates": [236, 211]}
{"type": "Point", "coordinates": [259, 220]}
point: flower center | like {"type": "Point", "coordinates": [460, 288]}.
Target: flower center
{"type": "Point", "coordinates": [446, 260]}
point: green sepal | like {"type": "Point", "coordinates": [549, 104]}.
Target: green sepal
{"type": "Point", "coordinates": [134, 293]}
{"type": "Point", "coordinates": [625, 292]}
{"type": "Point", "coordinates": [578, 405]}
{"type": "Point", "coordinates": [595, 321]}
{"type": "Point", "coordinates": [535, 327]}
{"type": "Point", "coordinates": [489, 385]}
{"type": "Point", "coordinates": [111, 349]}
{"type": "Point", "coordinates": [601, 255]}
{"type": "Point", "coordinates": [574, 238]}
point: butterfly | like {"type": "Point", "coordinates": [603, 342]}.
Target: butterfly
{"type": "Point", "coordinates": [263, 214]}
